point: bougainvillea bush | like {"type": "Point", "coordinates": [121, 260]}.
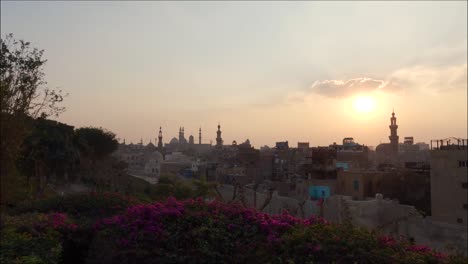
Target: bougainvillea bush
{"type": "Point", "coordinates": [33, 238]}
{"type": "Point", "coordinates": [192, 231]}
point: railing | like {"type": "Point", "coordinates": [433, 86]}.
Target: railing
{"type": "Point", "coordinates": [449, 143]}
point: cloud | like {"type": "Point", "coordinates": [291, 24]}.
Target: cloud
{"type": "Point", "coordinates": [340, 88]}
{"type": "Point", "coordinates": [431, 79]}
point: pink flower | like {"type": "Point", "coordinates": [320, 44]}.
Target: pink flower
{"type": "Point", "coordinates": [124, 242]}
{"type": "Point", "coordinates": [387, 240]}
{"type": "Point", "coordinates": [418, 248]}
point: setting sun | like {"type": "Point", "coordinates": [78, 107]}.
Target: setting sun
{"type": "Point", "coordinates": [363, 104]}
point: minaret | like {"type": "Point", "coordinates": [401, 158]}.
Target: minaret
{"type": "Point", "coordinates": [180, 135]}
{"type": "Point", "coordinates": [160, 144]}
{"type": "Point", "coordinates": [199, 136]}
{"type": "Point", "coordinates": [183, 136]}
{"type": "Point", "coordinates": [393, 135]}
{"type": "Point", "coordinates": [219, 140]}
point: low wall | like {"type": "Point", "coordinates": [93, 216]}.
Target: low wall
{"type": "Point", "coordinates": [278, 203]}
{"type": "Point", "coordinates": [385, 215]}
{"type": "Point", "coordinates": [151, 180]}
{"type": "Point", "coordinates": [396, 219]}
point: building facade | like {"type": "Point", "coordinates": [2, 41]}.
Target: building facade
{"type": "Point", "coordinates": [449, 184]}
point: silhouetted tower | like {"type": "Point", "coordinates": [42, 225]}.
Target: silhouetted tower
{"type": "Point", "coordinates": [219, 140]}
{"type": "Point", "coordinates": [181, 134]}
{"type": "Point", "coordinates": [393, 135]}
{"type": "Point", "coordinates": [199, 136]}
{"type": "Point", "coordinates": [160, 144]}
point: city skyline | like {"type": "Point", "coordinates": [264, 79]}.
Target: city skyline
{"type": "Point", "coordinates": [181, 134]}
{"type": "Point", "coordinates": [303, 71]}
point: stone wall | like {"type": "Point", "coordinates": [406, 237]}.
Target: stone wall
{"type": "Point", "coordinates": [396, 219]}
{"type": "Point", "coordinates": [297, 207]}
{"type": "Point", "coordinates": [385, 215]}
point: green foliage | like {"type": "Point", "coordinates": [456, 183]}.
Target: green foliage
{"type": "Point", "coordinates": [199, 232]}
{"type": "Point", "coordinates": [171, 186]}
{"type": "Point", "coordinates": [96, 142]}
{"type": "Point", "coordinates": [83, 207]}
{"type": "Point", "coordinates": [168, 186]}
{"type": "Point", "coordinates": [51, 145]}
{"type": "Point", "coordinates": [327, 243]}
{"type": "Point", "coordinates": [23, 242]}
{"type": "Point", "coordinates": [15, 189]}
{"type": "Point", "coordinates": [204, 189]}
{"type": "Point", "coordinates": [191, 231]}
{"type": "Point", "coordinates": [23, 95]}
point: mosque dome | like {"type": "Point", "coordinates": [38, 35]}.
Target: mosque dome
{"type": "Point", "coordinates": [150, 147]}
{"type": "Point", "coordinates": [174, 141]}
{"type": "Point", "coordinates": [158, 155]}
{"type": "Point", "coordinates": [383, 148]}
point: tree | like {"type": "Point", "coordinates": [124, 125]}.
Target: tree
{"type": "Point", "coordinates": [169, 185]}
{"type": "Point", "coordinates": [23, 95]}
{"type": "Point", "coordinates": [204, 189]}
{"type": "Point", "coordinates": [96, 143]}
{"type": "Point", "coordinates": [48, 152]}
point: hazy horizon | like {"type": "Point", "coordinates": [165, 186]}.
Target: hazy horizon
{"type": "Point", "coordinates": [266, 71]}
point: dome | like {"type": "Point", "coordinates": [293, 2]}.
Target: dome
{"type": "Point", "coordinates": [174, 141]}
{"type": "Point", "coordinates": [150, 146]}
{"type": "Point", "coordinates": [384, 147]}
{"type": "Point", "coordinates": [157, 155]}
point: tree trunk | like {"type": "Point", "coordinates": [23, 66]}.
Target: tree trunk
{"type": "Point", "coordinates": [219, 193]}
{"type": "Point", "coordinates": [301, 208]}
{"type": "Point", "coordinates": [267, 200]}
{"type": "Point", "coordinates": [255, 196]}
{"type": "Point", "coordinates": [40, 174]}
{"type": "Point", "coordinates": [234, 193]}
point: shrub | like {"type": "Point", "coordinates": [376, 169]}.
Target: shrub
{"type": "Point", "coordinates": [33, 238]}
{"type": "Point", "coordinates": [199, 232]}
{"type": "Point", "coordinates": [195, 231]}
{"type": "Point", "coordinates": [86, 207]}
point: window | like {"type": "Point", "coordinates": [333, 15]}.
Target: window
{"type": "Point", "coordinates": [356, 185]}
{"type": "Point", "coordinates": [465, 185]}
{"type": "Point", "coordinates": [463, 163]}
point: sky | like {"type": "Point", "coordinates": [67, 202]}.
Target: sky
{"type": "Point", "coordinates": [266, 71]}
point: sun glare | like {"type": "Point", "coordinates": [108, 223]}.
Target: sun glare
{"type": "Point", "coordinates": [363, 104]}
